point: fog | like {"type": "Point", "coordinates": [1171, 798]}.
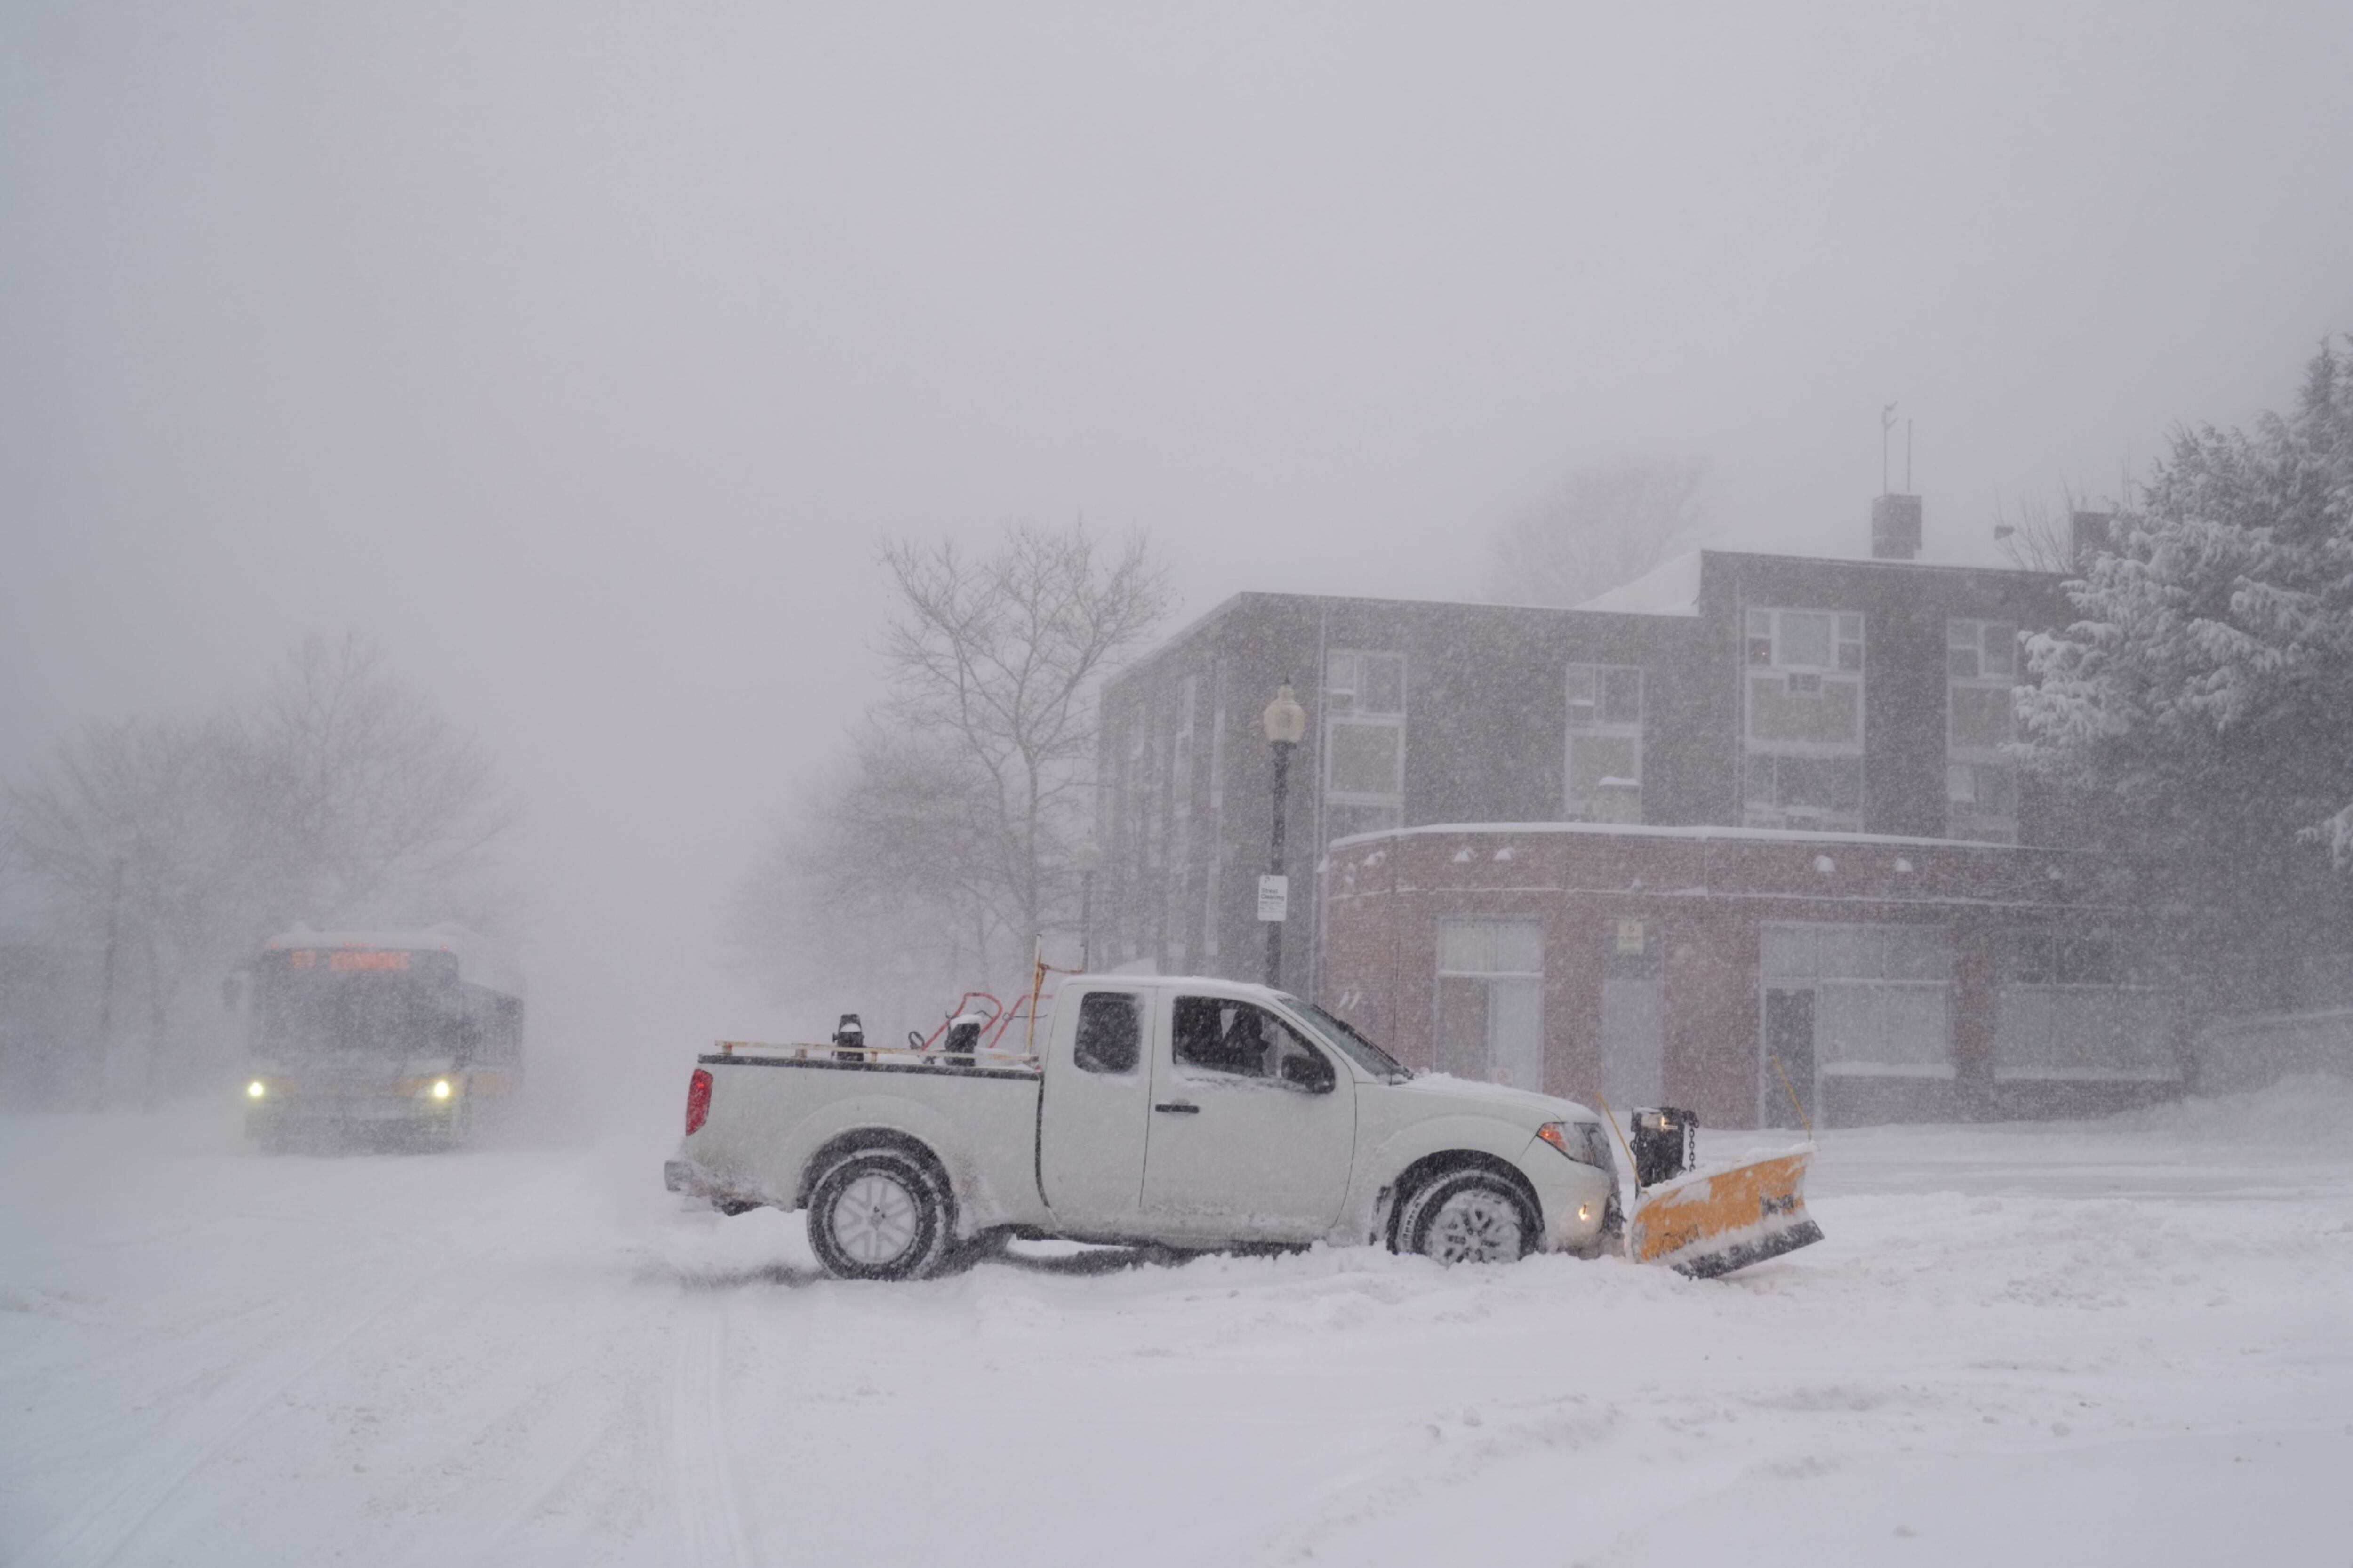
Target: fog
{"type": "Point", "coordinates": [580, 358]}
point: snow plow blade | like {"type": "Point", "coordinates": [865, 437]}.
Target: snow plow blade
{"type": "Point", "coordinates": [1714, 1221]}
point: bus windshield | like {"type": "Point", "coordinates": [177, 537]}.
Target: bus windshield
{"type": "Point", "coordinates": [314, 1009]}
{"type": "Point", "coordinates": [1343, 1038]}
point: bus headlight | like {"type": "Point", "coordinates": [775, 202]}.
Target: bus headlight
{"type": "Point", "coordinates": [256, 1089]}
{"type": "Point", "coordinates": [440, 1088]}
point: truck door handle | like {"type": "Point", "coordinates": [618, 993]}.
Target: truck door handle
{"type": "Point", "coordinates": [1179, 1108]}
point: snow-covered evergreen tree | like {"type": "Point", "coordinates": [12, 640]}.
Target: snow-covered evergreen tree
{"type": "Point", "coordinates": [2204, 699]}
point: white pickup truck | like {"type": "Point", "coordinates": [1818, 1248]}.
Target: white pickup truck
{"type": "Point", "coordinates": [1194, 1114]}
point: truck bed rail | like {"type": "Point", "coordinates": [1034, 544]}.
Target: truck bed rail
{"type": "Point", "coordinates": [827, 1054]}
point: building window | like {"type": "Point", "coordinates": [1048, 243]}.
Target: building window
{"type": "Point", "coordinates": [2072, 1007]}
{"type": "Point", "coordinates": [1879, 1000]}
{"type": "Point", "coordinates": [1980, 719]}
{"type": "Point", "coordinates": [1803, 734]}
{"type": "Point", "coordinates": [1490, 1021]}
{"type": "Point", "coordinates": [1364, 743]}
{"type": "Point", "coordinates": [1604, 765]}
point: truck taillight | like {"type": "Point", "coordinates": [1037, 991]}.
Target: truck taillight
{"type": "Point", "coordinates": [697, 1099]}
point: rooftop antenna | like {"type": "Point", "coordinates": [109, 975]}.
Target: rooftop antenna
{"type": "Point", "coordinates": [1886, 424]}
{"type": "Point", "coordinates": [1907, 456]}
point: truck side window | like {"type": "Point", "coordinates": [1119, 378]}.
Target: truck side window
{"type": "Point", "coordinates": [1111, 1034]}
{"type": "Point", "coordinates": [1214, 1035]}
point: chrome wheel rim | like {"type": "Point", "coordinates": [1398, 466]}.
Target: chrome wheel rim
{"type": "Point", "coordinates": [873, 1220]}
{"type": "Point", "coordinates": [1475, 1227]}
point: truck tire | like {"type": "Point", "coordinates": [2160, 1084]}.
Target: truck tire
{"type": "Point", "coordinates": [879, 1214]}
{"type": "Point", "coordinates": [1467, 1216]}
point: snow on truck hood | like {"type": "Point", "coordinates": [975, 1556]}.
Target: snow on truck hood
{"type": "Point", "coordinates": [1492, 1098]}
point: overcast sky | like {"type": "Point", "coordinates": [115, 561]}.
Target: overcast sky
{"type": "Point", "coordinates": [580, 354]}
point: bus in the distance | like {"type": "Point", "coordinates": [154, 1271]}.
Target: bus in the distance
{"type": "Point", "coordinates": [411, 1037]}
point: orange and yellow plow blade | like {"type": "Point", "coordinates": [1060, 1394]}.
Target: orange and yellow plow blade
{"type": "Point", "coordinates": [1710, 1223]}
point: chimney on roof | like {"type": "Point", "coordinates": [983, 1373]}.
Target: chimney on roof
{"type": "Point", "coordinates": [1896, 527]}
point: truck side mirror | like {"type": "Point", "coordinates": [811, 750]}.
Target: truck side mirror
{"type": "Point", "coordinates": [1308, 1071]}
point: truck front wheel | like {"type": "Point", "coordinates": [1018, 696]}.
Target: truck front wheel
{"type": "Point", "coordinates": [1468, 1216]}
{"type": "Point", "coordinates": [879, 1214]}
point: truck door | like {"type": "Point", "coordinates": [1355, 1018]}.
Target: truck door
{"type": "Point", "coordinates": [1092, 1114]}
{"type": "Point", "coordinates": [1253, 1127]}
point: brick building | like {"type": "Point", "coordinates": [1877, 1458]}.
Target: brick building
{"type": "Point", "coordinates": [1585, 848]}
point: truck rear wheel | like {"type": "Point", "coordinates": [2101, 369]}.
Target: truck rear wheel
{"type": "Point", "coordinates": [879, 1214]}
{"type": "Point", "coordinates": [1468, 1216]}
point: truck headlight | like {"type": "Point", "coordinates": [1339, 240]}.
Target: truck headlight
{"type": "Point", "coordinates": [1582, 1141]}
{"type": "Point", "coordinates": [441, 1088]}
{"type": "Point", "coordinates": [256, 1089]}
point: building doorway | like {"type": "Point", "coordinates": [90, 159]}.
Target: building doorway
{"type": "Point", "coordinates": [1633, 1013]}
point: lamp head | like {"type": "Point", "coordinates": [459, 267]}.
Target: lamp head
{"type": "Point", "coordinates": [1286, 720]}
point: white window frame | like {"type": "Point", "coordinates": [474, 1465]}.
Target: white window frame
{"type": "Point", "coordinates": [1764, 649]}
{"type": "Point", "coordinates": [1598, 726]}
{"type": "Point", "coordinates": [1965, 764]}
{"type": "Point", "coordinates": [1342, 711]}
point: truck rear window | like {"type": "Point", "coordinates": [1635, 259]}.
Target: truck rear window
{"type": "Point", "coordinates": [1111, 1032]}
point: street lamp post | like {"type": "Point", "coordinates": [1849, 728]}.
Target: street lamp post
{"type": "Point", "coordinates": [1286, 721]}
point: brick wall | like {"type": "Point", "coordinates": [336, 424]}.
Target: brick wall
{"type": "Point", "coordinates": [1708, 893]}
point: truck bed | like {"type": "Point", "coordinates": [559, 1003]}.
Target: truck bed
{"type": "Point", "coordinates": [773, 1108]}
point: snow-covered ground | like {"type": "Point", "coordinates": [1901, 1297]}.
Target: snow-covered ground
{"type": "Point", "coordinates": [2130, 1342]}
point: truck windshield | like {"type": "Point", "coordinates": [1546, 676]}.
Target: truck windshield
{"type": "Point", "coordinates": [1343, 1038]}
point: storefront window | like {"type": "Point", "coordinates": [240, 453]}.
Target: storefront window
{"type": "Point", "coordinates": [1491, 1000]}
{"type": "Point", "coordinates": [1880, 994]}
{"type": "Point", "coordinates": [2072, 1007]}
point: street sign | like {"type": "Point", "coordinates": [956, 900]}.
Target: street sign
{"type": "Point", "coordinates": [1274, 897]}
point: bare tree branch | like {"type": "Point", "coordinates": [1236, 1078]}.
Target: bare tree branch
{"type": "Point", "coordinates": [953, 829]}
{"type": "Point", "coordinates": [1601, 526]}
{"type": "Point", "coordinates": [172, 846]}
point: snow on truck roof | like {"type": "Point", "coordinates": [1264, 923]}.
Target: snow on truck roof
{"type": "Point", "coordinates": [1132, 974]}
{"type": "Point", "coordinates": [479, 959]}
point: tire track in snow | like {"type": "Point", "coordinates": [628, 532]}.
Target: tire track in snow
{"type": "Point", "coordinates": [101, 1531]}
{"type": "Point", "coordinates": [702, 1473]}
{"type": "Point", "coordinates": [558, 1459]}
